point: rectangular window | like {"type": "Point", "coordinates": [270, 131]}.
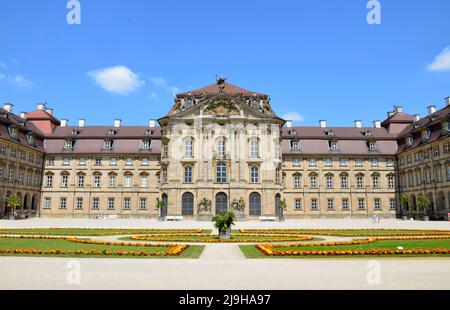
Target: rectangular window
{"type": "Point", "coordinates": [313, 182]}
{"type": "Point", "coordinates": [314, 206]}
{"type": "Point", "coordinates": [328, 162]}
{"type": "Point", "coordinates": [144, 161]}
{"type": "Point", "coordinates": [82, 161]}
{"type": "Point", "coordinates": [80, 181]}
{"type": "Point", "coordinates": [345, 204]}
{"type": "Point", "coordinates": [330, 204]}
{"type": "Point", "coordinates": [128, 181]}
{"type": "Point", "coordinates": [376, 182]}
{"type": "Point", "coordinates": [47, 203]}
{"type": "Point", "coordinates": [298, 205]}
{"type": "Point", "coordinates": [359, 162]}
{"type": "Point", "coordinates": [254, 175]}
{"type": "Point", "coordinates": [390, 162]}
{"type": "Point", "coordinates": [63, 203]}
{"type": "Point", "coordinates": [343, 162]}
{"type": "Point", "coordinates": [297, 182]}
{"type": "Point", "coordinates": [254, 148]}
{"type": "Point", "coordinates": [377, 203]}
{"type": "Point", "coordinates": [361, 204]}
{"type": "Point", "coordinates": [11, 175]}
{"type": "Point", "coordinates": [296, 162]}
{"type": "Point", "coordinates": [188, 174]}
{"type": "Point", "coordinates": [113, 161]}
{"type": "Point", "coordinates": [295, 145]}
{"type": "Point", "coordinates": [112, 180]}
{"type": "Point", "coordinates": [392, 204]}
{"type": "Point", "coordinates": [165, 150]}
{"type": "Point", "coordinates": [127, 203]}
{"type": "Point", "coordinates": [50, 161]}
{"type": "Point", "coordinates": [129, 161]}
{"type": "Point", "coordinates": [221, 173]}
{"type": "Point", "coordinates": [374, 162]}
{"type": "Point", "coordinates": [64, 181]}
{"type": "Point", "coordinates": [142, 203]}
{"type": "Point", "coordinates": [329, 182]}
{"type": "Point", "coordinates": [312, 163]}
{"type": "Point", "coordinates": [146, 145]}
{"type": "Point", "coordinates": [98, 161]}
{"type": "Point", "coordinates": [96, 181]}
{"type": "Point", "coordinates": [344, 182]}
{"type": "Point", "coordinates": [95, 203]}
{"type": "Point", "coordinates": [66, 161]}
{"type": "Point", "coordinates": [49, 182]}
{"type": "Point", "coordinates": [188, 151]}
{"type": "Point", "coordinates": [79, 205]}
{"type": "Point", "coordinates": [144, 181]}
{"type": "Point", "coordinates": [391, 182]}
{"type": "Point", "coordinates": [111, 203]}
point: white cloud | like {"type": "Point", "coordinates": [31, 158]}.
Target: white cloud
{"type": "Point", "coordinates": [161, 82]}
{"type": "Point", "coordinates": [20, 81]}
{"type": "Point", "coordinates": [441, 62]}
{"type": "Point", "coordinates": [293, 116]}
{"type": "Point", "coordinates": [118, 79]}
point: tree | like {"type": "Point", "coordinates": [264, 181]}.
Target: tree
{"type": "Point", "coordinates": [405, 200]}
{"type": "Point", "coordinates": [160, 203]}
{"type": "Point", "coordinates": [13, 202]}
{"type": "Point", "coordinates": [204, 206]}
{"type": "Point", "coordinates": [224, 220]}
{"type": "Point", "coordinates": [423, 202]}
{"type": "Point", "coordinates": [283, 204]}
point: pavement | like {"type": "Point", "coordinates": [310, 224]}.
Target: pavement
{"type": "Point", "coordinates": [223, 266]}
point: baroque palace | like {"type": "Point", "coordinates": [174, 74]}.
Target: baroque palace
{"type": "Point", "coordinates": [222, 147]}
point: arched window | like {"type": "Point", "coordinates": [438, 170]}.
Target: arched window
{"type": "Point", "coordinates": [187, 204]}
{"type": "Point", "coordinates": [254, 148]}
{"type": "Point", "coordinates": [221, 203]}
{"type": "Point", "coordinates": [255, 204]}
{"type": "Point", "coordinates": [187, 174]}
{"type": "Point", "coordinates": [188, 148]}
{"type": "Point", "coordinates": [221, 172]}
{"type": "Point", "coordinates": [254, 174]}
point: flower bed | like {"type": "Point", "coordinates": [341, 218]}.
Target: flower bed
{"type": "Point", "coordinates": [92, 231]}
{"type": "Point", "coordinates": [173, 249]}
{"type": "Point", "coordinates": [271, 250]}
{"type": "Point", "coordinates": [213, 239]}
{"type": "Point", "coordinates": [379, 232]}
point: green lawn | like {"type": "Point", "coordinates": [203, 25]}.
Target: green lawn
{"type": "Point", "coordinates": [93, 232]}
{"type": "Point", "coordinates": [65, 245]}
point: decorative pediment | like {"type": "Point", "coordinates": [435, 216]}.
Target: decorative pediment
{"type": "Point", "coordinates": [222, 107]}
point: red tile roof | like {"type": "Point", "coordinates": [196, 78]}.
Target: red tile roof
{"type": "Point", "coordinates": [213, 89]}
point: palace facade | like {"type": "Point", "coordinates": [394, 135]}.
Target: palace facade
{"type": "Point", "coordinates": [222, 147]}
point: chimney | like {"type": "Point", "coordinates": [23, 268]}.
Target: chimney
{"type": "Point", "coordinates": [23, 115]}
{"type": "Point", "coordinates": [358, 124]}
{"type": "Point", "coordinates": [398, 109]}
{"type": "Point", "coordinates": [81, 122]}
{"type": "Point", "coordinates": [64, 123]}
{"type": "Point", "coordinates": [431, 109]}
{"type": "Point", "coordinates": [49, 111]}
{"type": "Point", "coordinates": [41, 106]}
{"type": "Point", "coordinates": [8, 107]}
{"type": "Point", "coordinates": [323, 123]}
{"type": "Point", "coordinates": [117, 123]}
{"type": "Point", "coordinates": [152, 123]}
{"type": "Point", "coordinates": [416, 117]}
{"type": "Point", "coordinates": [377, 124]}
{"type": "Point", "coordinates": [447, 101]}
{"type": "Point", "coordinates": [288, 124]}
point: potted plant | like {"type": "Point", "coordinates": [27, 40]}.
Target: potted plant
{"type": "Point", "coordinates": [160, 203]}
{"type": "Point", "coordinates": [238, 206]}
{"type": "Point", "coordinates": [13, 202]}
{"type": "Point", "coordinates": [204, 210]}
{"type": "Point", "coordinates": [404, 199]}
{"type": "Point", "coordinates": [282, 206]}
{"type": "Point", "coordinates": [223, 222]}
{"type": "Point", "coordinates": [424, 202]}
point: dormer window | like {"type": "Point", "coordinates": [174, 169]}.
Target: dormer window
{"type": "Point", "coordinates": [292, 133]}
{"type": "Point", "coordinates": [149, 132]}
{"type": "Point", "coordinates": [108, 145]}
{"type": "Point", "coordinates": [409, 141]}
{"type": "Point", "coordinates": [425, 135]}
{"type": "Point", "coordinates": [146, 144]}
{"type": "Point", "coordinates": [367, 133]}
{"type": "Point", "coordinates": [189, 103]}
{"type": "Point", "coordinates": [330, 133]}
{"type": "Point", "coordinates": [75, 132]}
{"type": "Point", "coordinates": [295, 145]}
{"type": "Point", "coordinates": [372, 146]}
{"type": "Point", "coordinates": [30, 139]}
{"type": "Point", "coordinates": [445, 128]}
{"type": "Point", "coordinates": [254, 104]}
{"type": "Point", "coordinates": [333, 146]}
{"type": "Point", "coordinates": [12, 130]}
{"type": "Point", "coordinates": [69, 145]}
{"type": "Point", "coordinates": [112, 132]}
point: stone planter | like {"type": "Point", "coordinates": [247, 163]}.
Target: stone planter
{"type": "Point", "coordinates": [225, 234]}
{"type": "Point", "coordinates": [204, 217]}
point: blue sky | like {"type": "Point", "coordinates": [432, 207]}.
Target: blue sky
{"type": "Point", "coordinates": [320, 59]}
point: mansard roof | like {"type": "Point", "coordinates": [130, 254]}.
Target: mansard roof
{"type": "Point", "coordinates": [339, 133]}
{"type": "Point", "coordinates": [24, 127]}
{"type": "Point", "coordinates": [101, 132]}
